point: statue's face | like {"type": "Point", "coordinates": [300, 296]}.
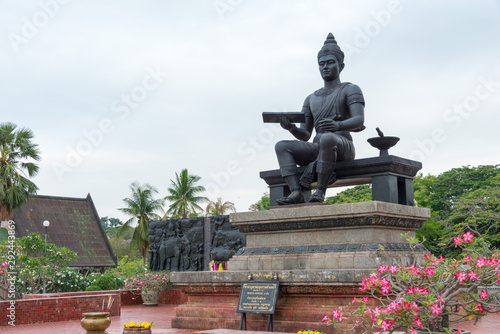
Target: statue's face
{"type": "Point", "coordinates": [329, 67]}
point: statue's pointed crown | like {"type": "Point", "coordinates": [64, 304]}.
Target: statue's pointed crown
{"type": "Point", "coordinates": [330, 47]}
{"type": "Point", "coordinates": [330, 39]}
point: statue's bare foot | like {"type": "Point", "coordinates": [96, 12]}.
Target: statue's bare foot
{"type": "Point", "coordinates": [295, 197]}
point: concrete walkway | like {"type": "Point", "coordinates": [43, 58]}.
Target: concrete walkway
{"type": "Point", "coordinates": [162, 314]}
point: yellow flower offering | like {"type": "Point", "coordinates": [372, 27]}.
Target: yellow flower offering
{"type": "Point", "coordinates": [134, 324]}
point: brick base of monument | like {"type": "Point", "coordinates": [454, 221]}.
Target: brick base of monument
{"type": "Point", "coordinates": [319, 254]}
{"type": "Point", "coordinates": [305, 297]}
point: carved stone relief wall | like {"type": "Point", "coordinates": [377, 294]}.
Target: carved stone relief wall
{"type": "Point", "coordinates": [179, 244]}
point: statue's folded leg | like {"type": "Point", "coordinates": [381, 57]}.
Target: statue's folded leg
{"type": "Point", "coordinates": [290, 174]}
{"type": "Point", "coordinates": [325, 171]}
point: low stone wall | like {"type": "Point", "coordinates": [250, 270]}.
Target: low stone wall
{"type": "Point", "coordinates": [172, 296]}
{"type": "Point", "coordinates": [70, 294]}
{"type": "Point", "coordinates": [56, 307]}
{"type": "Point", "coordinates": [52, 307]}
{"type": "Point", "coordinates": [129, 297]}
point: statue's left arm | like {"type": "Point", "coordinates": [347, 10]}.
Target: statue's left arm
{"type": "Point", "coordinates": [356, 105]}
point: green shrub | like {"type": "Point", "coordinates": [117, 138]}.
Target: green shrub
{"type": "Point", "coordinates": [93, 288]}
{"type": "Point", "coordinates": [106, 282]}
{"type": "Point", "coordinates": [128, 267]}
{"type": "Point", "coordinates": [109, 281]}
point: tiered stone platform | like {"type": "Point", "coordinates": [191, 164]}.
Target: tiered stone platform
{"type": "Point", "coordinates": [345, 236]}
{"type": "Point", "coordinates": [318, 253]}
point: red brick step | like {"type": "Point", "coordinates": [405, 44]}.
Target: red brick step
{"type": "Point", "coordinates": [234, 331]}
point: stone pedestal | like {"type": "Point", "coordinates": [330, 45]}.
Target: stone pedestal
{"type": "Point", "coordinates": [346, 236]}
{"type": "Point", "coordinates": [318, 253]}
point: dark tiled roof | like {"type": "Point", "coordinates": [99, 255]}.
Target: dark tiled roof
{"type": "Point", "coordinates": [74, 223]}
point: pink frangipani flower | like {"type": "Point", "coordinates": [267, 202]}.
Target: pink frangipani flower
{"type": "Point", "coordinates": [436, 309]}
{"type": "Point", "coordinates": [386, 325]}
{"type": "Point", "coordinates": [468, 237]}
{"type": "Point", "coordinates": [483, 294]}
{"type": "Point", "coordinates": [460, 276]}
{"type": "Point", "coordinates": [472, 275]}
{"type": "Point", "coordinates": [481, 262]}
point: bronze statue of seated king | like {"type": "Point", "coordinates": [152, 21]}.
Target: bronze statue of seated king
{"type": "Point", "coordinates": [333, 112]}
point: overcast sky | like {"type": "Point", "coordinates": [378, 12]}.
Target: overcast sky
{"type": "Point", "coordinates": [123, 91]}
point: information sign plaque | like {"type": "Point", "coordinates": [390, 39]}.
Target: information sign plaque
{"type": "Point", "coordinates": [258, 297]}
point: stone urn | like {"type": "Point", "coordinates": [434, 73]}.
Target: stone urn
{"type": "Point", "coordinates": [150, 297]}
{"type": "Point", "coordinates": [96, 322]}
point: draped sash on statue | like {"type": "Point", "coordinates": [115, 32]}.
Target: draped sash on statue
{"type": "Point", "coordinates": [329, 110]}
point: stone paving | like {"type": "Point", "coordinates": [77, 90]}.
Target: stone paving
{"type": "Point", "coordinates": [162, 314]}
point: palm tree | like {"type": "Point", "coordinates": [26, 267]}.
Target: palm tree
{"type": "Point", "coordinates": [218, 208]}
{"type": "Point", "coordinates": [184, 195]}
{"type": "Point", "coordinates": [142, 207]}
{"type": "Point", "coordinates": [18, 155]}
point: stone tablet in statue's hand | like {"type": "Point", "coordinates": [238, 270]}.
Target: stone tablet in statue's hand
{"type": "Point", "coordinates": [328, 125]}
{"type": "Point", "coordinates": [286, 124]}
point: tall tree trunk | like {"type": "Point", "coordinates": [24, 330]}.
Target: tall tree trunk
{"type": "Point", "coordinates": [143, 253]}
{"type": "Point", "coordinates": [5, 213]}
